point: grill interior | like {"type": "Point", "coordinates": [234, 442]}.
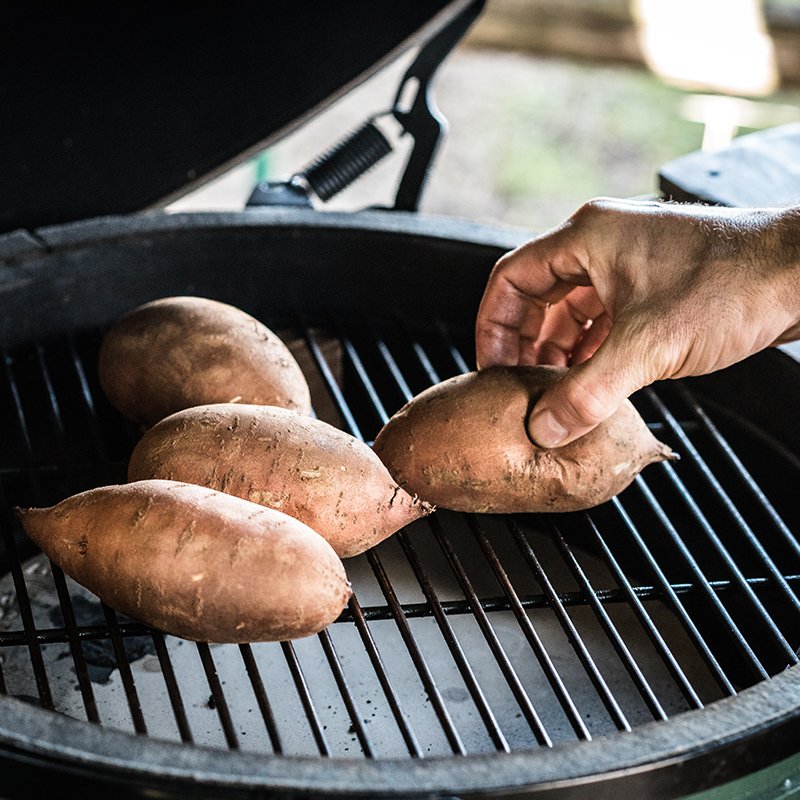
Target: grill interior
{"type": "Point", "coordinates": [466, 633]}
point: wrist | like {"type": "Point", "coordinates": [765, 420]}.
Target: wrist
{"type": "Point", "coordinates": [783, 255]}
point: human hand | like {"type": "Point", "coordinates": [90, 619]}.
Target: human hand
{"type": "Point", "coordinates": [631, 292]}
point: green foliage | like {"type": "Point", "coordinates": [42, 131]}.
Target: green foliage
{"type": "Point", "coordinates": [592, 131]}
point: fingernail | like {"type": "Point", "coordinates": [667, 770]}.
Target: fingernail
{"type": "Point", "coordinates": [546, 430]}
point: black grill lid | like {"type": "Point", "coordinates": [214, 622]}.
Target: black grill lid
{"type": "Point", "coordinates": [111, 108]}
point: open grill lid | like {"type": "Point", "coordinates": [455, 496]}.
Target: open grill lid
{"type": "Point", "coordinates": [113, 108]}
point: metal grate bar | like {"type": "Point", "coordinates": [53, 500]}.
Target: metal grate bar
{"type": "Point", "coordinates": [26, 614]}
{"type": "Point", "coordinates": [625, 656]}
{"type": "Point", "coordinates": [416, 610]}
{"type": "Point", "coordinates": [551, 673]}
{"type": "Point", "coordinates": [383, 678]}
{"type": "Point", "coordinates": [124, 668]}
{"type": "Point", "coordinates": [20, 587]}
{"type": "Point", "coordinates": [474, 603]}
{"type": "Point", "coordinates": [363, 376]}
{"type": "Point", "coordinates": [120, 655]}
{"type": "Point", "coordinates": [83, 632]}
{"type": "Point", "coordinates": [64, 600]}
{"type": "Point", "coordinates": [582, 651]}
{"type": "Point", "coordinates": [753, 488]}
{"type": "Point", "coordinates": [394, 369]}
{"type": "Point", "coordinates": [346, 694]}
{"type": "Point", "coordinates": [478, 697]}
{"type": "Point", "coordinates": [666, 523]}
{"type": "Point", "coordinates": [455, 353]}
{"type": "Point", "coordinates": [564, 619]}
{"type": "Point", "coordinates": [260, 692]}
{"type": "Point", "coordinates": [709, 477]}
{"type": "Point", "coordinates": [426, 363]}
{"type": "Point", "coordinates": [417, 658]}
{"type": "Point", "coordinates": [533, 638]}
{"type": "Point", "coordinates": [173, 690]}
{"type": "Point", "coordinates": [633, 597]}
{"type": "Point", "coordinates": [691, 629]}
{"type": "Point", "coordinates": [90, 412]}
{"type": "Point", "coordinates": [711, 534]}
{"type": "Point", "coordinates": [331, 385]}
{"type": "Point", "coordinates": [405, 631]}
{"type": "Point", "coordinates": [217, 699]}
{"type": "Point", "coordinates": [467, 673]}
{"type": "Point", "coordinates": [305, 698]}
{"type": "Point", "coordinates": [513, 681]}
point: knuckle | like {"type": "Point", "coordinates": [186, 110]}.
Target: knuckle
{"type": "Point", "coordinates": [509, 258]}
{"type": "Point", "coordinates": [594, 207]}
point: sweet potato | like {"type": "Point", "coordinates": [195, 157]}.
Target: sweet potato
{"type": "Point", "coordinates": [302, 466]}
{"type": "Point", "coordinates": [463, 445]}
{"type": "Point", "coordinates": [194, 562]}
{"type": "Point", "coordinates": [179, 352]}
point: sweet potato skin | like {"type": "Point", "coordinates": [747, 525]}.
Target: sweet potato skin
{"type": "Point", "coordinates": [299, 465]}
{"type": "Point", "coordinates": [194, 562]}
{"type": "Point", "coordinates": [463, 445]}
{"type": "Point", "coordinates": [179, 352]}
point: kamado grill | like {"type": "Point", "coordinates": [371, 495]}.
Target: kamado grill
{"type": "Point", "coordinates": [648, 646]}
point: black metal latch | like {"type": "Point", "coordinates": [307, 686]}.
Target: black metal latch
{"type": "Point", "coordinates": [414, 110]}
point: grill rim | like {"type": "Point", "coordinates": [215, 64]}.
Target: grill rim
{"type": "Point", "coordinates": [729, 726]}
{"type": "Point", "coordinates": [681, 749]}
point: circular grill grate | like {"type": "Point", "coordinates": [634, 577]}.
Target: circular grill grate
{"type": "Point", "coordinates": [467, 634]}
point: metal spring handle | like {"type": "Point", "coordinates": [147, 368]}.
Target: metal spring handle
{"type": "Point", "coordinates": [340, 166]}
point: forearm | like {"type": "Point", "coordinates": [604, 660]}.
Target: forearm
{"type": "Point", "coordinates": [783, 258]}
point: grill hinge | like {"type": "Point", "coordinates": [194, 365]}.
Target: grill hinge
{"type": "Point", "coordinates": [417, 115]}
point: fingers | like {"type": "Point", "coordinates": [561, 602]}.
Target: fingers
{"type": "Point", "coordinates": [592, 339]}
{"type": "Point", "coordinates": [565, 326]}
{"type": "Point", "coordinates": [590, 392]}
{"type": "Point", "coordinates": [518, 291]}
{"type": "Point", "coordinates": [662, 273]}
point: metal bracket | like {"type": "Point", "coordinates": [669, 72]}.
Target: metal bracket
{"type": "Point", "coordinates": [417, 116]}
{"type": "Point", "coordinates": [423, 119]}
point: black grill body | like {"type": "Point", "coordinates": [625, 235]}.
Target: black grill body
{"type": "Point", "coordinates": [647, 645]}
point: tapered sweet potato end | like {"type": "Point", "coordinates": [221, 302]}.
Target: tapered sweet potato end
{"type": "Point", "coordinates": [32, 520]}
{"type": "Point", "coordinates": [666, 453]}
{"type": "Point", "coordinates": [194, 562]}
{"type": "Point", "coordinates": [463, 444]}
{"type": "Point", "coordinates": [280, 459]}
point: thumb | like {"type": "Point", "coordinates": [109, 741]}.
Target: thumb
{"type": "Point", "coordinates": [588, 394]}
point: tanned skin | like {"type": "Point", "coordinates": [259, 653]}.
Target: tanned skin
{"type": "Point", "coordinates": [626, 293]}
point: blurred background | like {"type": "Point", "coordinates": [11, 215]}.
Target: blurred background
{"type": "Point", "coordinates": [552, 102]}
